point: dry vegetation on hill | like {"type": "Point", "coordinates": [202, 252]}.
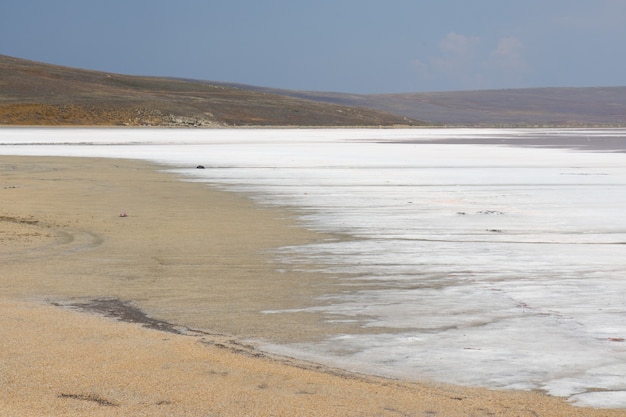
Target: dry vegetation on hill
{"type": "Point", "coordinates": [32, 93]}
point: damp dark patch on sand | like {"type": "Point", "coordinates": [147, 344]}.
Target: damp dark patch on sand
{"type": "Point", "coordinates": [124, 311]}
{"type": "Point", "coordinates": [90, 397]}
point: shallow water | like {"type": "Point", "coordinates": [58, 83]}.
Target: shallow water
{"type": "Point", "coordinates": [479, 257]}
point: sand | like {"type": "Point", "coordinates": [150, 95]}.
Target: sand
{"type": "Point", "coordinates": [63, 245]}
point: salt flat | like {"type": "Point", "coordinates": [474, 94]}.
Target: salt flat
{"type": "Point", "coordinates": [478, 257]}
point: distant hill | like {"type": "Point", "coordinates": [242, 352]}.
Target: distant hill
{"type": "Point", "coordinates": [569, 107]}
{"type": "Point", "coordinates": [33, 93]}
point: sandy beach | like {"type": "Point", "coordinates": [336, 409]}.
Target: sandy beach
{"type": "Point", "coordinates": [94, 316]}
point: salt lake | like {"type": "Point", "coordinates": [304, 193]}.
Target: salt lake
{"type": "Point", "coordinates": [483, 257]}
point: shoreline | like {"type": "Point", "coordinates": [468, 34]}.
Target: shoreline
{"type": "Point", "coordinates": [63, 243]}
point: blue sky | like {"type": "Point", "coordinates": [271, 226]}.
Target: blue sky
{"type": "Point", "coordinates": [358, 46]}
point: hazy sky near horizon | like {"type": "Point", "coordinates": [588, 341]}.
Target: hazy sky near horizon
{"type": "Point", "coordinates": [357, 46]}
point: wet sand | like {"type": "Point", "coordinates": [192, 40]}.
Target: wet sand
{"type": "Point", "coordinates": [148, 314]}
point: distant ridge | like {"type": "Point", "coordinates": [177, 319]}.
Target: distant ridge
{"type": "Point", "coordinates": [33, 93]}
{"type": "Point", "coordinates": [549, 107]}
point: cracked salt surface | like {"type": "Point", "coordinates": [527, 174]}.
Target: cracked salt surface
{"type": "Point", "coordinates": [491, 265]}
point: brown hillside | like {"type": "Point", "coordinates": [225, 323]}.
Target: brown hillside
{"type": "Point", "coordinates": [33, 93]}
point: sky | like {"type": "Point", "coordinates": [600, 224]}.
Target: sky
{"type": "Point", "coordinates": [350, 46]}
